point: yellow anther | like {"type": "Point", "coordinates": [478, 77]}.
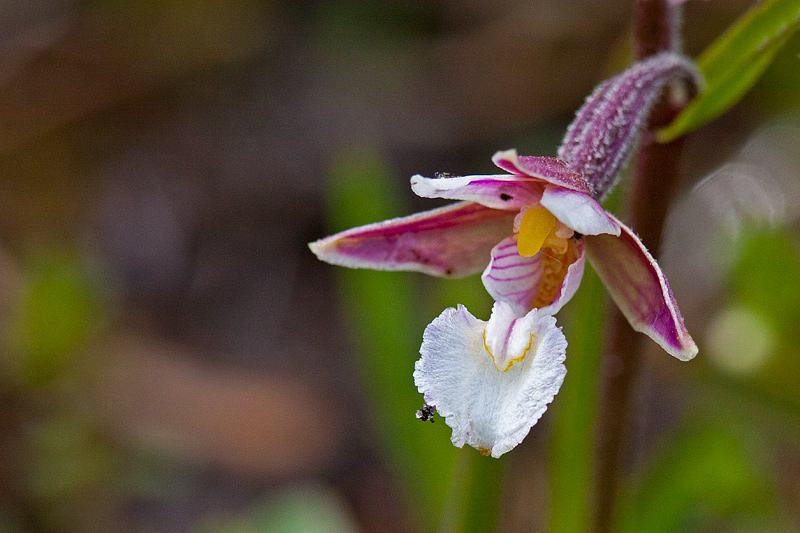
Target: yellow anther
{"type": "Point", "coordinates": [536, 226]}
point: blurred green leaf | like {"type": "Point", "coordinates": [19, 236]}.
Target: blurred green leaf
{"type": "Point", "coordinates": [765, 282]}
{"type": "Point", "coordinates": [67, 458]}
{"type": "Point", "coordinates": [54, 318]}
{"type": "Point", "coordinates": [387, 318]}
{"type": "Point", "coordinates": [473, 504]}
{"type": "Point", "coordinates": [474, 497]}
{"type": "Point", "coordinates": [770, 415]}
{"type": "Point", "coordinates": [766, 277]}
{"type": "Point", "coordinates": [703, 477]}
{"type": "Point", "coordinates": [458, 489]}
{"type": "Point", "coordinates": [735, 61]}
{"type": "Point", "coordinates": [571, 443]}
{"type": "Point", "coordinates": [468, 292]}
{"type": "Point", "coordinates": [306, 510]}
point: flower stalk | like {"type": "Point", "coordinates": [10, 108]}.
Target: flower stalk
{"type": "Point", "coordinates": [656, 179]}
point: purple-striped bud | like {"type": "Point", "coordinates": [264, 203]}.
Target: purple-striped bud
{"type": "Point", "coordinates": [603, 135]}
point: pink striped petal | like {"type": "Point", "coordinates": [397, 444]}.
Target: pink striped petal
{"type": "Point", "coordinates": [549, 169]}
{"type": "Point", "coordinates": [579, 211]}
{"type": "Point", "coordinates": [640, 290]}
{"type": "Point", "coordinates": [502, 191]}
{"type": "Point", "coordinates": [546, 281]}
{"type": "Point", "coordinates": [451, 241]}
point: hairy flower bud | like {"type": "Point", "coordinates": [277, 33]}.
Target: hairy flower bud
{"type": "Point", "coordinates": [604, 133]}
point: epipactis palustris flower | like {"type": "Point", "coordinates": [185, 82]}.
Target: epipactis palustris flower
{"type": "Point", "coordinates": [535, 225]}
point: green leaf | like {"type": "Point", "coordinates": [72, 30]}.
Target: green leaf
{"type": "Point", "coordinates": [735, 61]}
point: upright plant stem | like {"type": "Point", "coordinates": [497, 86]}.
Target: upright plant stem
{"type": "Point", "coordinates": [473, 504]}
{"type": "Point", "coordinates": [655, 181]}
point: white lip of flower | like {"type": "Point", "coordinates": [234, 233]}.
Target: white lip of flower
{"type": "Point", "coordinates": [491, 381]}
{"type": "Point", "coordinates": [507, 337]}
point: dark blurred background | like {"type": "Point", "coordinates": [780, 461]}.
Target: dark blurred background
{"type": "Point", "coordinates": [175, 359]}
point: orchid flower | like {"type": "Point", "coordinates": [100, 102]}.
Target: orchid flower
{"type": "Point", "coordinates": [535, 225]}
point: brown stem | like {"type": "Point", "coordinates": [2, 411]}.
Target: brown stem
{"type": "Point", "coordinates": [655, 180]}
{"type": "Point", "coordinates": [655, 27]}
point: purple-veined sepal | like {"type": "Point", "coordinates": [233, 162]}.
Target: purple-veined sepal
{"type": "Point", "coordinates": [641, 291]}
{"type": "Point", "coordinates": [548, 169]}
{"type": "Point", "coordinates": [451, 241]}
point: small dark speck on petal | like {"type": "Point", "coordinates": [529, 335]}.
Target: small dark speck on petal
{"type": "Point", "coordinates": [505, 197]}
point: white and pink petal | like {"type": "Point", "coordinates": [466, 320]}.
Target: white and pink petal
{"type": "Point", "coordinates": [641, 291]}
{"type": "Point", "coordinates": [548, 169]}
{"type": "Point", "coordinates": [489, 409]}
{"type": "Point", "coordinates": [579, 211]}
{"type": "Point", "coordinates": [547, 280]}
{"type": "Point", "coordinates": [451, 241]}
{"type": "Point", "coordinates": [501, 191]}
